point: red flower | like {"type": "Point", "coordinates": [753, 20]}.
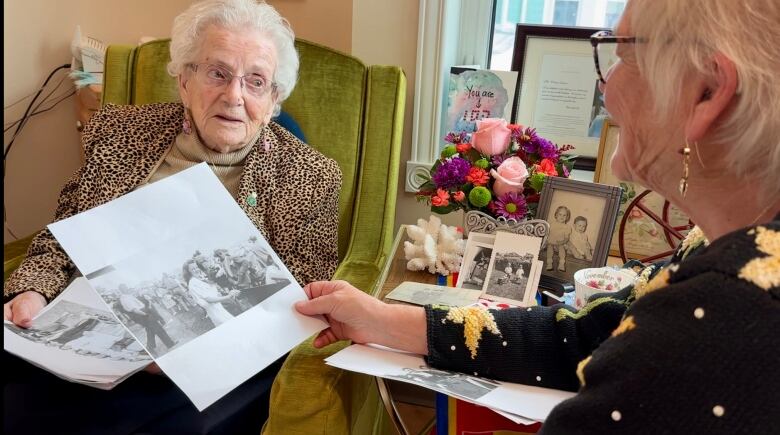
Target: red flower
{"type": "Point", "coordinates": [441, 198]}
{"type": "Point", "coordinates": [459, 196]}
{"type": "Point", "coordinates": [547, 167]}
{"type": "Point", "coordinates": [477, 176]}
{"type": "Point", "coordinates": [463, 148]}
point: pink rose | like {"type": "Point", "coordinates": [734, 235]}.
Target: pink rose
{"type": "Point", "coordinates": [510, 176]}
{"type": "Point", "coordinates": [492, 136]}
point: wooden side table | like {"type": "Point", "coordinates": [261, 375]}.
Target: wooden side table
{"type": "Point", "coordinates": [411, 408]}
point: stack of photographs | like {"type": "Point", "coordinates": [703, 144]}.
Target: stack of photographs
{"type": "Point", "coordinates": [503, 266]}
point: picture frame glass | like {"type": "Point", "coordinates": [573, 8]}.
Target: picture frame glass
{"type": "Point", "coordinates": [559, 93]}
{"type": "Point", "coordinates": [642, 236]}
{"type": "Point", "coordinates": [575, 221]}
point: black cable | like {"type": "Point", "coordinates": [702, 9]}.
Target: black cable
{"type": "Point", "coordinates": [37, 106]}
{"type": "Point", "coordinates": [27, 111]}
{"type": "Point", "coordinates": [22, 122]}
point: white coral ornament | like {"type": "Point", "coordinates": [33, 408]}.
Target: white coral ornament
{"type": "Point", "coordinates": [434, 247]}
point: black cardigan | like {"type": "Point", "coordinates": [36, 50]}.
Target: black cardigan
{"type": "Point", "coordinates": [695, 350]}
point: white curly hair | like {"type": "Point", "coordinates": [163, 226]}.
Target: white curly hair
{"type": "Point", "coordinates": [237, 15]}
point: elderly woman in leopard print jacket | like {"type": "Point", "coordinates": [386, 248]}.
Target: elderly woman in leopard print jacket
{"type": "Point", "coordinates": [235, 63]}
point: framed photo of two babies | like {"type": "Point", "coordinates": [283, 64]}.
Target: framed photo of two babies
{"type": "Point", "coordinates": [582, 218]}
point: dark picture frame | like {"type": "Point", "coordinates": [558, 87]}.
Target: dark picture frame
{"type": "Point", "coordinates": [574, 41]}
{"type": "Point", "coordinates": [595, 204]}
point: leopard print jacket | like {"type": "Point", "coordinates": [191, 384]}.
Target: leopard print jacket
{"type": "Point", "coordinates": [297, 207]}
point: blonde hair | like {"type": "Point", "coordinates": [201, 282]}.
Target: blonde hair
{"type": "Point", "coordinates": [236, 15]}
{"type": "Point", "coordinates": [684, 35]}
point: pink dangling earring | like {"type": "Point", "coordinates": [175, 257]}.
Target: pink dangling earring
{"type": "Point", "coordinates": [266, 144]}
{"type": "Point", "coordinates": [186, 126]}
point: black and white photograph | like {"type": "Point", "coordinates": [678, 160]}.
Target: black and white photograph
{"type": "Point", "coordinates": [511, 276]}
{"type": "Point", "coordinates": [451, 383]}
{"type": "Point", "coordinates": [187, 286]}
{"type": "Point", "coordinates": [474, 269]}
{"type": "Point", "coordinates": [82, 330]}
{"type": "Point", "coordinates": [192, 278]}
{"type": "Point", "coordinates": [581, 217]}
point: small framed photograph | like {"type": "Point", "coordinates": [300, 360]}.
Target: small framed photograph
{"type": "Point", "coordinates": [512, 272]}
{"type": "Point", "coordinates": [582, 218]}
{"type": "Point", "coordinates": [642, 235]}
{"type": "Point", "coordinates": [476, 261]}
{"type": "Point", "coordinates": [558, 93]}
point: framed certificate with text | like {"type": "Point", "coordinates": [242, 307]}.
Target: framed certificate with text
{"type": "Point", "coordinates": [559, 93]}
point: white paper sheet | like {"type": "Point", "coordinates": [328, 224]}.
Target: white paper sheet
{"type": "Point", "coordinates": [38, 344]}
{"type": "Point", "coordinates": [524, 401]}
{"type": "Point", "coordinates": [129, 247]}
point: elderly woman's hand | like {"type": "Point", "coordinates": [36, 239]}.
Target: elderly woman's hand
{"type": "Point", "coordinates": [23, 307]}
{"type": "Point", "coordinates": [354, 315]}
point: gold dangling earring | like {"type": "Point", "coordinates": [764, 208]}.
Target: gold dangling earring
{"type": "Point", "coordinates": [686, 152]}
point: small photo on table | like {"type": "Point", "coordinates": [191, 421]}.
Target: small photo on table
{"type": "Point", "coordinates": [513, 271]}
{"type": "Point", "coordinates": [474, 269]}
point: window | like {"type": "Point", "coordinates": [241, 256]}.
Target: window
{"type": "Point", "coordinates": [580, 13]}
{"type": "Point", "coordinates": [566, 12]}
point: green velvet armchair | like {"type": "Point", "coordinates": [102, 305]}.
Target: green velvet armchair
{"type": "Point", "coordinates": [352, 113]}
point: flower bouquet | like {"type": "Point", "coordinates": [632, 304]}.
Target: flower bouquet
{"type": "Point", "coordinates": [499, 169]}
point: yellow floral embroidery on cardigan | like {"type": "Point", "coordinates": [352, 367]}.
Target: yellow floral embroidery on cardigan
{"type": "Point", "coordinates": [474, 320]}
{"type": "Point", "coordinates": [764, 271]}
{"type": "Point", "coordinates": [581, 369]}
{"type": "Point", "coordinates": [564, 313]}
{"type": "Point", "coordinates": [660, 280]}
{"type": "Point", "coordinates": [693, 240]}
{"type": "Point", "coordinates": [626, 325]}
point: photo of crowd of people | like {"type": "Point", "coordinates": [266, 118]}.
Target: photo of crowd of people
{"type": "Point", "coordinates": [197, 289]}
{"type": "Point", "coordinates": [84, 331]}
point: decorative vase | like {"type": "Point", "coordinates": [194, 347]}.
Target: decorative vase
{"type": "Point", "coordinates": [480, 222]}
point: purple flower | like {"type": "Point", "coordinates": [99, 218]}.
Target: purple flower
{"type": "Point", "coordinates": [451, 173]}
{"type": "Point", "coordinates": [546, 148]}
{"type": "Point", "coordinates": [527, 140]}
{"type": "Point", "coordinates": [456, 138]}
{"type": "Point", "coordinates": [496, 160]}
{"type": "Point", "coordinates": [511, 206]}
{"type": "Point", "coordinates": [565, 171]}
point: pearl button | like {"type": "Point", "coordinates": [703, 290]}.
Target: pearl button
{"type": "Point", "coordinates": [698, 313]}
{"type": "Point", "coordinates": [616, 415]}
{"type": "Point", "coordinates": [504, 344]}
{"type": "Point", "coordinates": [718, 411]}
{"type": "Point", "coordinates": [529, 309]}
{"type": "Point", "coordinates": [452, 347]}
{"type": "Point", "coordinates": [538, 379]}
{"type": "Point", "coordinates": [565, 339]}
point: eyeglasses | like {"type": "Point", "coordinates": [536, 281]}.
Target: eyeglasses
{"type": "Point", "coordinates": [217, 76]}
{"type": "Point", "coordinates": [603, 54]}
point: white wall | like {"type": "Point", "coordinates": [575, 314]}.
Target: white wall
{"type": "Point", "coordinates": [37, 36]}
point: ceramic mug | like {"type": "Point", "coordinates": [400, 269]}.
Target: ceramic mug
{"type": "Point", "coordinates": [588, 282]}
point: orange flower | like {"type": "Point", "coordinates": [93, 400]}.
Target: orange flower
{"type": "Point", "coordinates": [441, 198]}
{"type": "Point", "coordinates": [547, 167]}
{"type": "Point", "coordinates": [463, 148]}
{"type": "Point", "coordinates": [459, 196]}
{"type": "Point", "coordinates": [477, 176]}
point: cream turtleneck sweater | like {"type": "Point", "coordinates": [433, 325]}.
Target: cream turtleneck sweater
{"type": "Point", "coordinates": [188, 151]}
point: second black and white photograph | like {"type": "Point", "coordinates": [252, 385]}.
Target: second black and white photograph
{"type": "Point", "coordinates": [511, 275]}
{"type": "Point", "coordinates": [187, 286]}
